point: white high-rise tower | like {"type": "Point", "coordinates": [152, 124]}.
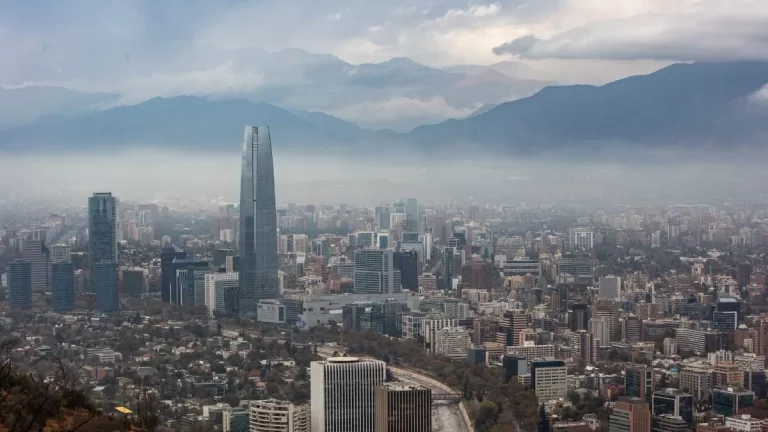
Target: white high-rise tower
{"type": "Point", "coordinates": [343, 394]}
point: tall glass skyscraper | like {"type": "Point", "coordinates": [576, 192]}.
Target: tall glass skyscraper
{"type": "Point", "coordinates": [102, 245]}
{"type": "Point", "coordinates": [258, 222]}
{"type": "Point", "coordinates": [102, 228]}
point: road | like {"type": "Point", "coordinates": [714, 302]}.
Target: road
{"type": "Point", "coordinates": [446, 416]}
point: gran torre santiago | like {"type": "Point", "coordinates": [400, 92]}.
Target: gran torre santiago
{"type": "Point", "coordinates": [257, 241]}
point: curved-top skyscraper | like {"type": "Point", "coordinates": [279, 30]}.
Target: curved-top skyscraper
{"type": "Point", "coordinates": [258, 222]}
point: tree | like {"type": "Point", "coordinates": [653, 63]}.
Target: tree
{"type": "Point", "coordinates": [302, 375]}
{"type": "Point", "coordinates": [487, 415]}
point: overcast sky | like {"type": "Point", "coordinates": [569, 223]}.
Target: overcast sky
{"type": "Point", "coordinates": [88, 38]}
{"type": "Point", "coordinates": [146, 48]}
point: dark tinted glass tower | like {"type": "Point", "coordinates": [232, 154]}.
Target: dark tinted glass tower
{"type": "Point", "coordinates": [102, 228]}
{"type": "Point", "coordinates": [102, 250]}
{"type": "Point", "coordinates": [104, 279]}
{"type": "Point", "coordinates": [63, 286]}
{"type": "Point", "coordinates": [258, 221]}
{"type": "Point", "coordinates": [20, 285]}
{"type": "Point", "coordinates": [167, 272]}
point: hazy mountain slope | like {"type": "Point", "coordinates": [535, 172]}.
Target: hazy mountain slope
{"type": "Point", "coordinates": [702, 103]}
{"type": "Point", "coordinates": [181, 122]}
{"type": "Point", "coordinates": [682, 107]}
{"type": "Point", "coordinates": [26, 104]}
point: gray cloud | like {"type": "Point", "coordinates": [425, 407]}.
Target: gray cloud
{"type": "Point", "coordinates": [708, 31]}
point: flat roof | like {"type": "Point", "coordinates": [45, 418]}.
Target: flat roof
{"type": "Point", "coordinates": [343, 359]}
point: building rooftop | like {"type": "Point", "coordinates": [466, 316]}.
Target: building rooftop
{"type": "Point", "coordinates": [632, 400]}
{"type": "Point", "coordinates": [343, 359]}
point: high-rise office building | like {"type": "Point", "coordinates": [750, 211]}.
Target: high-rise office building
{"type": "Point", "coordinates": [549, 379]}
{"type": "Point", "coordinates": [102, 228]}
{"type": "Point", "coordinates": [20, 285]}
{"type": "Point", "coordinates": [579, 316]}
{"type": "Point", "coordinates": [258, 222]}
{"type": "Point", "coordinates": [167, 271]}
{"type": "Point", "coordinates": [600, 329]}
{"type": "Point", "coordinates": [220, 291]}
{"type": "Point", "coordinates": [407, 262]}
{"type": "Point", "coordinates": [39, 257]}
{"type": "Point", "coordinates": [104, 276]}
{"type": "Point", "coordinates": [134, 282]}
{"type": "Point", "coordinates": [512, 323]}
{"type": "Point", "coordinates": [382, 216]}
{"type": "Point", "coordinates": [343, 394]}
{"type": "Point", "coordinates": [630, 414]}
{"type": "Point", "coordinates": [375, 272]}
{"type": "Point", "coordinates": [403, 408]}
{"type": "Point", "coordinates": [63, 286]}
{"type": "Point", "coordinates": [183, 288]}
{"type": "Point", "coordinates": [102, 250]}
{"type": "Point", "coordinates": [272, 415]}
{"type": "Point", "coordinates": [638, 381]}
{"type": "Point", "coordinates": [729, 401]}
{"type": "Point", "coordinates": [412, 212]}
{"type": "Point", "coordinates": [673, 402]}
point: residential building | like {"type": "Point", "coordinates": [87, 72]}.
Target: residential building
{"type": "Point", "coordinates": [610, 287]}
{"type": "Point", "coordinates": [272, 415]}
{"type": "Point", "coordinates": [452, 342]}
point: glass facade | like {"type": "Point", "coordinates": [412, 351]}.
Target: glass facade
{"type": "Point", "coordinates": [258, 222]}
{"type": "Point", "coordinates": [104, 281]}
{"type": "Point", "coordinates": [675, 404]}
{"type": "Point", "coordinates": [102, 227]}
{"type": "Point", "coordinates": [728, 403]}
{"type": "Point", "coordinates": [20, 285]}
{"type": "Point", "coordinates": [63, 286]}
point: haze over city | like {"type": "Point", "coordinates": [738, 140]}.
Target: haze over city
{"type": "Point", "coordinates": [367, 216]}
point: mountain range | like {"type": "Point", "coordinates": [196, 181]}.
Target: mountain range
{"type": "Point", "coordinates": [681, 107]}
{"type": "Point", "coordinates": [397, 94]}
